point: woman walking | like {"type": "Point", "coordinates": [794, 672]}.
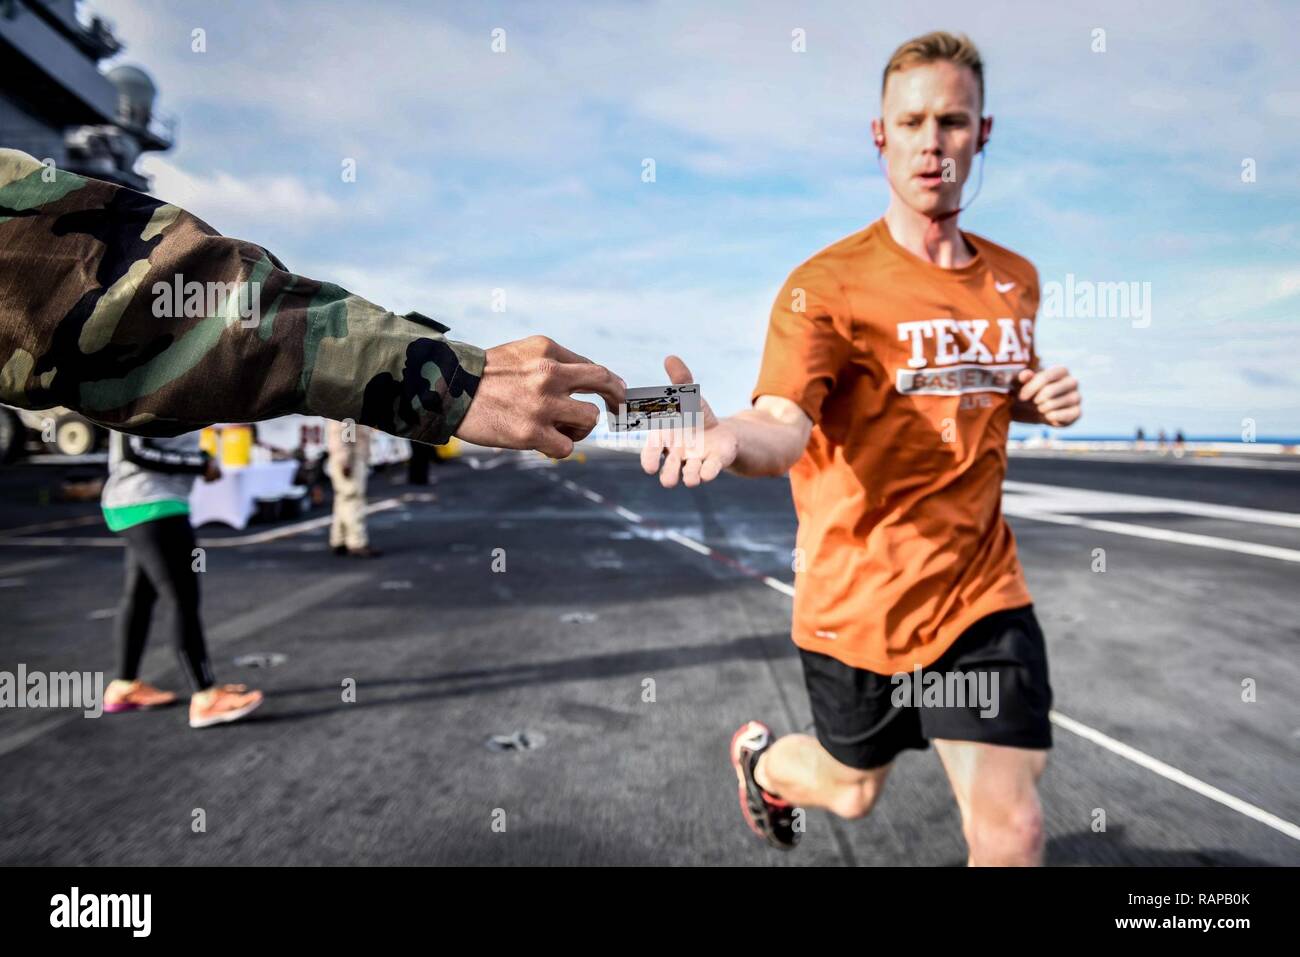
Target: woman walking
{"type": "Point", "coordinates": [146, 501]}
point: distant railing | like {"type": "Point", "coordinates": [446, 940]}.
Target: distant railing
{"type": "Point", "coordinates": [1152, 446]}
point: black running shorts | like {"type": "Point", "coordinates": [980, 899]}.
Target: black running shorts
{"type": "Point", "coordinates": [990, 686]}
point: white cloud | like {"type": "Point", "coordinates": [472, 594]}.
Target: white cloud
{"type": "Point", "coordinates": [724, 75]}
{"type": "Point", "coordinates": [1284, 103]}
{"type": "Point", "coordinates": [248, 203]}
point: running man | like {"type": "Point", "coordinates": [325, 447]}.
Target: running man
{"type": "Point", "coordinates": [896, 360]}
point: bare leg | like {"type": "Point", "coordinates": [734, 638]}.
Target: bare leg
{"type": "Point", "coordinates": [997, 792]}
{"type": "Point", "coordinates": [798, 769]}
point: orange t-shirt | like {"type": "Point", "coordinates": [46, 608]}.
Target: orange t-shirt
{"type": "Point", "coordinates": [907, 371]}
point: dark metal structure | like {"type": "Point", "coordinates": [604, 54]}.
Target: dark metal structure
{"type": "Point", "coordinates": [55, 103]}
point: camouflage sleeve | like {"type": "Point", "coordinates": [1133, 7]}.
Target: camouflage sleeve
{"type": "Point", "coordinates": [144, 319]}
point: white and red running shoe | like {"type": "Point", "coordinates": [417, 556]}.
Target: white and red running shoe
{"type": "Point", "coordinates": [767, 815]}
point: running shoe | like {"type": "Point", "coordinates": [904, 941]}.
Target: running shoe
{"type": "Point", "coordinates": [767, 815]}
{"type": "Point", "coordinates": [222, 704]}
{"type": "Point", "coordinates": [135, 695]}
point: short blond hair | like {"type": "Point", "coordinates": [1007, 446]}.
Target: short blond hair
{"type": "Point", "coordinates": [932, 47]}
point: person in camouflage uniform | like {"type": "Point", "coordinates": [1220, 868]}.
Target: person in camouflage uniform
{"type": "Point", "coordinates": [87, 322]}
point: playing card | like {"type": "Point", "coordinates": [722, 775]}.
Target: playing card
{"type": "Point", "coordinates": [658, 407]}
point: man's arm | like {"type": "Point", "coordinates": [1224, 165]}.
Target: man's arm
{"type": "Point", "coordinates": [770, 437]}
{"type": "Point", "coordinates": [143, 318]}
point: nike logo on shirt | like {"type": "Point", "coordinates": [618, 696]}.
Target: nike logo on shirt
{"type": "Point", "coordinates": [1003, 286]}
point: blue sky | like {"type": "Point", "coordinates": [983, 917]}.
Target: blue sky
{"type": "Point", "coordinates": [521, 171]}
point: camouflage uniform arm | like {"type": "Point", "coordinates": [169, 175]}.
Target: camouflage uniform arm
{"type": "Point", "coordinates": [143, 318]}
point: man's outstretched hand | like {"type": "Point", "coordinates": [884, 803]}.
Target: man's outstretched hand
{"type": "Point", "coordinates": [693, 455]}
{"type": "Point", "coordinates": [524, 398]}
{"type": "Point", "coordinates": [1050, 397]}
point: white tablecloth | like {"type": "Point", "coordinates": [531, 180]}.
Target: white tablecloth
{"type": "Point", "coordinates": [232, 499]}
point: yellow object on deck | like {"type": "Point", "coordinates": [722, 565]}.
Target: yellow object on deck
{"type": "Point", "coordinates": [449, 450]}
{"type": "Point", "coordinates": [236, 446]}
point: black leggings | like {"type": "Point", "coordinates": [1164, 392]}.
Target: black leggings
{"type": "Point", "coordinates": [159, 561]}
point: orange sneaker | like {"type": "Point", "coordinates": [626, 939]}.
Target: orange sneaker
{"type": "Point", "coordinates": [222, 704]}
{"type": "Point", "coordinates": [123, 695]}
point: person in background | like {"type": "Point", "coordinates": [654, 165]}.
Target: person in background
{"type": "Point", "coordinates": [349, 467]}
{"type": "Point", "coordinates": [146, 501]}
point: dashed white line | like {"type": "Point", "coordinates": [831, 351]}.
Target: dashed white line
{"type": "Point", "coordinates": [690, 543]}
{"type": "Point", "coordinates": [785, 588]}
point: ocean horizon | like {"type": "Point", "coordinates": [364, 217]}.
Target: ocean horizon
{"type": "Point", "coordinates": [1151, 438]}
